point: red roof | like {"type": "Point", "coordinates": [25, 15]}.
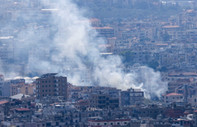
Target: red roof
{"type": "Point", "coordinates": [3, 102]}
{"type": "Point", "coordinates": [174, 94]}
{"type": "Point", "coordinates": [22, 109]}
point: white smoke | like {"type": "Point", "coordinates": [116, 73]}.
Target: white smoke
{"type": "Point", "coordinates": [68, 44]}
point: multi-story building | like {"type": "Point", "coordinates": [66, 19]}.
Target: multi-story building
{"type": "Point", "coordinates": [1, 83]}
{"type": "Point", "coordinates": [107, 32]}
{"type": "Point", "coordinates": [109, 123]}
{"type": "Point", "coordinates": [28, 89]}
{"type": "Point", "coordinates": [16, 85]}
{"type": "Point", "coordinates": [50, 84]}
{"type": "Point", "coordinates": [131, 96]}
{"type": "Point", "coordinates": [173, 97]}
{"type": "Point", "coordinates": [104, 101]}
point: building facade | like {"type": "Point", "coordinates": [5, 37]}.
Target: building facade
{"type": "Point", "coordinates": [51, 85]}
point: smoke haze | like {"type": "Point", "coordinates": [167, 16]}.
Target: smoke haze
{"type": "Point", "coordinates": [61, 40]}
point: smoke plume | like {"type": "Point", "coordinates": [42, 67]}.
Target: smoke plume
{"type": "Point", "coordinates": [57, 37]}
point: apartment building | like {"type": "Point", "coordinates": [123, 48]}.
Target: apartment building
{"type": "Point", "coordinates": [50, 84]}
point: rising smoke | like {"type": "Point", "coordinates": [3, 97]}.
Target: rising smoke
{"type": "Point", "coordinates": [60, 39]}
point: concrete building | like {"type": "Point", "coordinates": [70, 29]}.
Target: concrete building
{"type": "Point", "coordinates": [173, 97]}
{"type": "Point", "coordinates": [107, 32]}
{"type": "Point", "coordinates": [3, 109]}
{"type": "Point", "coordinates": [131, 97]}
{"type": "Point", "coordinates": [1, 83]}
{"type": "Point", "coordinates": [6, 89]}
{"type": "Point", "coordinates": [28, 89]}
{"type": "Point", "coordinates": [17, 86]}
{"type": "Point", "coordinates": [109, 123]}
{"type": "Point", "coordinates": [50, 84]}
{"type": "Point", "coordinates": [104, 101]}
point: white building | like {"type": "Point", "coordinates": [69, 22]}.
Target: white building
{"type": "Point", "coordinates": [173, 97]}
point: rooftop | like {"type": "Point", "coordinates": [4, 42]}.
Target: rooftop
{"type": "Point", "coordinates": [174, 94]}
{"type": "Point", "coordinates": [3, 102]}
{"type": "Point", "coordinates": [103, 28]}
{"type": "Point", "coordinates": [22, 109]}
{"type": "Point", "coordinates": [170, 27]}
{"type": "Point", "coordinates": [116, 120]}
